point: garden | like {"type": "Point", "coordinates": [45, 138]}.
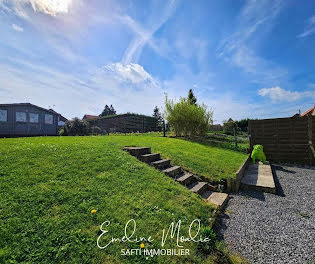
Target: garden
{"type": "Point", "coordinates": [50, 185]}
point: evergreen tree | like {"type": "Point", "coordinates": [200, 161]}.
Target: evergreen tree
{"type": "Point", "coordinates": [112, 110]}
{"type": "Point", "coordinates": [191, 97]}
{"type": "Point", "coordinates": [106, 111]}
{"type": "Point", "coordinates": [157, 114]}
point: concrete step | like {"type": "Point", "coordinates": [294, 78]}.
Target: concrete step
{"type": "Point", "coordinates": [173, 171]}
{"type": "Point", "coordinates": [150, 157]}
{"type": "Point", "coordinates": [137, 151]}
{"type": "Point", "coordinates": [161, 164]}
{"type": "Point", "coordinates": [258, 177]}
{"type": "Point", "coordinates": [199, 187]}
{"type": "Point", "coordinates": [186, 179]}
{"type": "Point", "coordinates": [218, 199]}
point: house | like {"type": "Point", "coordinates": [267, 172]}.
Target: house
{"type": "Point", "coordinates": [309, 112]}
{"type": "Point", "coordinates": [61, 119]}
{"type": "Point", "coordinates": [25, 119]}
{"type": "Point", "coordinates": [89, 117]}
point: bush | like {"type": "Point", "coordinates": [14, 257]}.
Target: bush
{"type": "Point", "coordinates": [95, 130]}
{"type": "Point", "coordinates": [208, 247]}
{"type": "Point", "coordinates": [187, 119]}
{"type": "Point", "coordinates": [228, 127]}
{"type": "Point", "coordinates": [61, 132]}
{"type": "Point", "coordinates": [76, 127]}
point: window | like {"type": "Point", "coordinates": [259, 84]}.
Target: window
{"type": "Point", "coordinates": [20, 117]}
{"type": "Point", "coordinates": [49, 119]}
{"type": "Point", "coordinates": [3, 115]}
{"type": "Point", "coordinates": [34, 118]}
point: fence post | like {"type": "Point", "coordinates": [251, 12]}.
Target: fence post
{"type": "Point", "coordinates": [309, 132]}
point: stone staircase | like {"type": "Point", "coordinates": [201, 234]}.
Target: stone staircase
{"type": "Point", "coordinates": [190, 181]}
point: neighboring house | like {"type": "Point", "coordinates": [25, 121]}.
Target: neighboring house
{"type": "Point", "coordinates": [89, 117]}
{"type": "Point", "coordinates": [25, 119]}
{"type": "Point", "coordinates": [216, 127]}
{"type": "Point", "coordinates": [309, 112]}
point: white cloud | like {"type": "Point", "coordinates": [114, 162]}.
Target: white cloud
{"type": "Point", "coordinates": [49, 7]}
{"type": "Point", "coordinates": [309, 29]}
{"type": "Point", "coordinates": [129, 88]}
{"type": "Point", "coordinates": [17, 28]}
{"type": "Point", "coordinates": [278, 94]}
{"type": "Point", "coordinates": [131, 72]}
{"type": "Point", "coordinates": [264, 71]}
{"type": "Point", "coordinates": [236, 49]}
{"type": "Point", "coordinates": [145, 35]}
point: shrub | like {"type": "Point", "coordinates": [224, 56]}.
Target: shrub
{"type": "Point", "coordinates": [187, 119]}
{"type": "Point", "coordinates": [76, 127]}
{"type": "Point", "coordinates": [61, 132]}
{"type": "Point", "coordinates": [95, 130]}
{"type": "Point", "coordinates": [208, 247]}
{"type": "Point", "coordinates": [228, 127]}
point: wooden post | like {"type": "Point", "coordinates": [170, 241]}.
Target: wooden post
{"type": "Point", "coordinates": [250, 135]}
{"type": "Point", "coordinates": [310, 132]}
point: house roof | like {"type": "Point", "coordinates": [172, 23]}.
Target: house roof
{"type": "Point", "coordinates": [61, 117]}
{"type": "Point", "coordinates": [308, 111]}
{"type": "Point", "coordinates": [89, 117]}
{"type": "Point", "coordinates": [29, 104]}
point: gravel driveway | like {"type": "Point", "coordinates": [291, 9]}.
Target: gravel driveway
{"type": "Point", "coordinates": [268, 228]}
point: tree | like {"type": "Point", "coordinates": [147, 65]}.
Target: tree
{"type": "Point", "coordinates": [242, 124]}
{"type": "Point", "coordinates": [157, 114]}
{"type": "Point", "coordinates": [108, 111]}
{"type": "Point", "coordinates": [112, 110]}
{"type": "Point", "coordinates": [187, 119]}
{"type": "Point", "coordinates": [191, 97]}
{"type": "Point", "coordinates": [228, 126]}
{"type": "Point", "coordinates": [76, 127]}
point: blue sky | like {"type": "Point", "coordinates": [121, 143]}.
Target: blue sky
{"type": "Point", "coordinates": [242, 58]}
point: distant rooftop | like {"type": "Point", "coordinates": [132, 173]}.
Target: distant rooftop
{"type": "Point", "coordinates": [310, 111]}
{"type": "Point", "coordinates": [89, 117]}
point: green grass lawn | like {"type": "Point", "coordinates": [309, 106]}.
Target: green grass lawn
{"type": "Point", "coordinates": [212, 162]}
{"type": "Point", "coordinates": [49, 185]}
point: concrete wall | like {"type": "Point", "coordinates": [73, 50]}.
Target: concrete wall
{"type": "Point", "coordinates": [12, 128]}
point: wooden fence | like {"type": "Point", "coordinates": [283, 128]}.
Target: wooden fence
{"type": "Point", "coordinates": [126, 123]}
{"type": "Point", "coordinates": [285, 139]}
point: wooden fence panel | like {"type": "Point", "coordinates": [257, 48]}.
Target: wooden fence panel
{"type": "Point", "coordinates": [285, 139]}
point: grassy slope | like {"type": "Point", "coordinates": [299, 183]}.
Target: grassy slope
{"type": "Point", "coordinates": [50, 185]}
{"type": "Point", "coordinates": [212, 162]}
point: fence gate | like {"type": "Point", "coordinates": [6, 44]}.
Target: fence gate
{"type": "Point", "coordinates": [285, 139]}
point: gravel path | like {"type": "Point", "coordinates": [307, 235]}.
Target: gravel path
{"type": "Point", "coordinates": [268, 228]}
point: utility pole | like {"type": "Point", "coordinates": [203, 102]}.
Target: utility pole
{"type": "Point", "coordinates": [164, 128]}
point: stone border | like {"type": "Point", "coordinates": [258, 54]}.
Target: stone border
{"type": "Point", "coordinates": [217, 211]}
{"type": "Point", "coordinates": [233, 184]}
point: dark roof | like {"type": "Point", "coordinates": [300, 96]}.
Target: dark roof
{"type": "Point", "coordinates": [29, 104]}
{"type": "Point", "coordinates": [308, 111]}
{"type": "Point", "coordinates": [62, 118]}
{"type": "Point", "coordinates": [90, 117]}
